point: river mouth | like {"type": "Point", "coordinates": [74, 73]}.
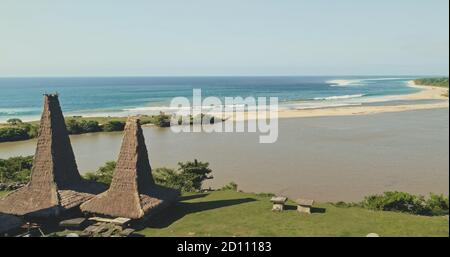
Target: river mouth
{"type": "Point", "coordinates": [321, 158]}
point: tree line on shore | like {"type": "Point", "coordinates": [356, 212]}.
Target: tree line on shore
{"type": "Point", "coordinates": [435, 82]}
{"type": "Point", "coordinates": [190, 175]}
{"type": "Point", "coordinates": [16, 130]}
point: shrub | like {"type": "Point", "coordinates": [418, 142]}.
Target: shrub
{"type": "Point", "coordinates": [82, 126]}
{"type": "Point", "coordinates": [14, 121]}
{"type": "Point", "coordinates": [342, 204]}
{"type": "Point", "coordinates": [73, 127]}
{"type": "Point", "coordinates": [231, 186]}
{"type": "Point", "coordinates": [188, 178]}
{"type": "Point", "coordinates": [89, 126]}
{"type": "Point", "coordinates": [13, 134]}
{"type": "Point", "coordinates": [114, 125]}
{"type": "Point", "coordinates": [438, 204]}
{"type": "Point", "coordinates": [169, 178]}
{"type": "Point", "coordinates": [194, 173]}
{"type": "Point", "coordinates": [32, 130]}
{"type": "Point", "coordinates": [265, 195]}
{"type": "Point", "coordinates": [397, 201]}
{"type": "Point", "coordinates": [104, 174]}
{"type": "Point", "coordinates": [162, 120]}
{"type": "Point", "coordinates": [16, 169]}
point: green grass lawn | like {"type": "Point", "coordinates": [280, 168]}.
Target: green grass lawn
{"type": "Point", "coordinates": [228, 213]}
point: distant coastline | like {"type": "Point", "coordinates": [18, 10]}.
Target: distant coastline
{"type": "Point", "coordinates": [429, 97]}
{"type": "Point", "coordinates": [426, 93]}
{"type": "Point", "coordinates": [131, 96]}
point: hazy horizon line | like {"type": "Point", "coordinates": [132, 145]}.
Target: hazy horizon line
{"type": "Point", "coordinates": [222, 75]}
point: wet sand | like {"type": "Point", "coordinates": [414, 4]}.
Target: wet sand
{"type": "Point", "coordinates": [427, 93]}
{"type": "Point", "coordinates": [322, 158]}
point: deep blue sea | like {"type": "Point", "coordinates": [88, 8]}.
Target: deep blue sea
{"type": "Point", "coordinates": [22, 97]}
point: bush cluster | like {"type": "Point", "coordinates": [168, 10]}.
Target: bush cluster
{"type": "Point", "coordinates": [403, 202]}
{"type": "Point", "coordinates": [437, 82]}
{"type": "Point", "coordinates": [113, 125]}
{"type": "Point", "coordinates": [188, 178]}
{"type": "Point", "coordinates": [16, 169]}
{"type": "Point", "coordinates": [17, 130]}
{"type": "Point", "coordinates": [82, 126]}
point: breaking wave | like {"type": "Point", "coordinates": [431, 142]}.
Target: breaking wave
{"type": "Point", "coordinates": [356, 82]}
{"type": "Point", "coordinates": [340, 97]}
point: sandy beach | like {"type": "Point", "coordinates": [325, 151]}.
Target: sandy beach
{"type": "Point", "coordinates": [426, 93]}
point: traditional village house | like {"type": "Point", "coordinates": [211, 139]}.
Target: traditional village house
{"type": "Point", "coordinates": [55, 185]}
{"type": "Point", "coordinates": [133, 193]}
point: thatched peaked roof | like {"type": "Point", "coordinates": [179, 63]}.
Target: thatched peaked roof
{"type": "Point", "coordinates": [133, 193]}
{"type": "Point", "coordinates": [55, 184]}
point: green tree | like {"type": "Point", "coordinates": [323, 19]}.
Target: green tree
{"type": "Point", "coordinates": [194, 174]}
{"type": "Point", "coordinates": [188, 178]}
{"type": "Point", "coordinates": [397, 201]}
{"type": "Point", "coordinates": [73, 127]}
{"type": "Point", "coordinates": [89, 126]}
{"type": "Point", "coordinates": [16, 169]}
{"type": "Point", "coordinates": [14, 121]}
{"type": "Point", "coordinates": [32, 130]}
{"type": "Point", "coordinates": [438, 204]}
{"type": "Point", "coordinates": [168, 177]}
{"type": "Point", "coordinates": [162, 120]}
{"type": "Point", "coordinates": [13, 134]}
{"type": "Point", "coordinates": [114, 125]}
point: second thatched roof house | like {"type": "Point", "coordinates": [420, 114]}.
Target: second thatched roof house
{"type": "Point", "coordinates": [56, 185]}
{"type": "Point", "coordinates": [133, 193]}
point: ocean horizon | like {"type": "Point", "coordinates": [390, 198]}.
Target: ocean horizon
{"type": "Point", "coordinates": [122, 96]}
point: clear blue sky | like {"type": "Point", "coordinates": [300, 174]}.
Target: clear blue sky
{"type": "Point", "coordinates": [223, 37]}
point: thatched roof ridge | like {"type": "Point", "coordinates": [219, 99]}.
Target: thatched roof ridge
{"type": "Point", "coordinates": [133, 193]}
{"type": "Point", "coordinates": [55, 183]}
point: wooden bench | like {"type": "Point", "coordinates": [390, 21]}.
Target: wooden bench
{"type": "Point", "coordinates": [278, 203]}
{"type": "Point", "coordinates": [74, 224]}
{"type": "Point", "coordinates": [304, 205]}
{"type": "Point", "coordinates": [122, 222]}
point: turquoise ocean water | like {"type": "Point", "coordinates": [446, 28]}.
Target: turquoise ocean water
{"type": "Point", "coordinates": [110, 96]}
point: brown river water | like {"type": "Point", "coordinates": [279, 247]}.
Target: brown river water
{"type": "Point", "coordinates": [323, 158]}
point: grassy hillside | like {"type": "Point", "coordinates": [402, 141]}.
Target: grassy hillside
{"type": "Point", "coordinates": [229, 213]}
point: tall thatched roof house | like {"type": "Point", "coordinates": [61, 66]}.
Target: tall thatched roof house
{"type": "Point", "coordinates": [133, 193]}
{"type": "Point", "coordinates": [55, 184]}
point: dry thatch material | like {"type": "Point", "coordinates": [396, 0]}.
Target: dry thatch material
{"type": "Point", "coordinates": [55, 184]}
{"type": "Point", "coordinates": [133, 193]}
